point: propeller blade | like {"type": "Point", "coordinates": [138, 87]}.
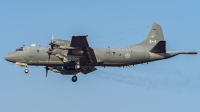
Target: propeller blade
{"type": "Point", "coordinates": [49, 58]}
{"type": "Point", "coordinates": [52, 41]}
{"type": "Point", "coordinates": [47, 67]}
{"type": "Point", "coordinates": [49, 53]}
{"type": "Point", "coordinates": [52, 38]}
{"type": "Point", "coordinates": [46, 71]}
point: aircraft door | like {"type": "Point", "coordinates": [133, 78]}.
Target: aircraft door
{"type": "Point", "coordinates": [107, 55]}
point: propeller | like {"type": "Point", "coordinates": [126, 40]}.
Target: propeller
{"type": "Point", "coordinates": [49, 53]}
{"type": "Point", "coordinates": [47, 67]}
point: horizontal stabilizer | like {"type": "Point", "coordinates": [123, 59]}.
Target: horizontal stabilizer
{"type": "Point", "coordinates": [160, 47]}
{"type": "Point", "coordinates": [188, 53]}
{"type": "Point", "coordinates": [170, 54]}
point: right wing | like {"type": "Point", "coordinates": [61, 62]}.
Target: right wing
{"type": "Point", "coordinates": [80, 42]}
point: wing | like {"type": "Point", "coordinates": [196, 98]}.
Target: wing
{"type": "Point", "coordinates": [80, 43]}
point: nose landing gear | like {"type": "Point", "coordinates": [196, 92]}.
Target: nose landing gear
{"type": "Point", "coordinates": [26, 70]}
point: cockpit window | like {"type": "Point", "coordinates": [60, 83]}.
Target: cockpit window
{"type": "Point", "coordinates": [19, 49]}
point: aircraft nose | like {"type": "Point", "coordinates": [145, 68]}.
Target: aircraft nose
{"type": "Point", "coordinates": [8, 57]}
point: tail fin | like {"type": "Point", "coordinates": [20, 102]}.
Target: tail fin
{"type": "Point", "coordinates": [155, 40]}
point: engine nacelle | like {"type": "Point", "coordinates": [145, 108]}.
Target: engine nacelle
{"type": "Point", "coordinates": [59, 42]}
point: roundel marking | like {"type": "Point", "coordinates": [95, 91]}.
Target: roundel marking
{"type": "Point", "coordinates": [127, 55]}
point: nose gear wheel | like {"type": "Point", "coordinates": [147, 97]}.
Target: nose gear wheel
{"type": "Point", "coordinates": [26, 70]}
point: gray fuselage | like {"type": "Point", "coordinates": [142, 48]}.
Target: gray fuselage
{"type": "Point", "coordinates": [130, 55]}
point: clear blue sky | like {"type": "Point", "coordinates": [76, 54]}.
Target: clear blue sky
{"type": "Point", "coordinates": [171, 85]}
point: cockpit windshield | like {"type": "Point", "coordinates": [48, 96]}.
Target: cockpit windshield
{"type": "Point", "coordinates": [19, 49]}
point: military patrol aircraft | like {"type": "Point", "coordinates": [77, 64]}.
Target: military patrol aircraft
{"type": "Point", "coordinates": [71, 58]}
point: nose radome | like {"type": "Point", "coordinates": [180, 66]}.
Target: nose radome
{"type": "Point", "coordinates": [8, 57]}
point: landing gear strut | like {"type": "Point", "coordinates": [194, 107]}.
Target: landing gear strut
{"type": "Point", "coordinates": [77, 68]}
{"type": "Point", "coordinates": [74, 78]}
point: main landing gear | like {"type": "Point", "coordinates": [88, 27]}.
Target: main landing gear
{"type": "Point", "coordinates": [74, 78]}
{"type": "Point", "coordinates": [77, 68]}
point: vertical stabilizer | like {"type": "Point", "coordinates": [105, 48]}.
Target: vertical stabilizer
{"type": "Point", "coordinates": [155, 40]}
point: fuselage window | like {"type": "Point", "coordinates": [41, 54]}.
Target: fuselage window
{"type": "Point", "coordinates": [113, 53]}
